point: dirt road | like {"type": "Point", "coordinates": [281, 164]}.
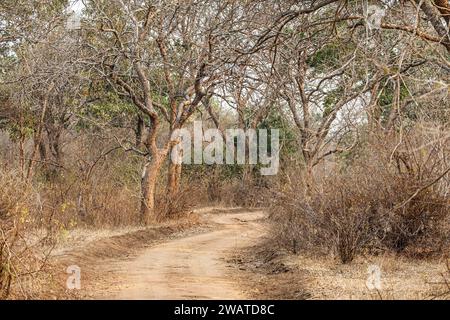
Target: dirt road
{"type": "Point", "coordinates": [189, 268]}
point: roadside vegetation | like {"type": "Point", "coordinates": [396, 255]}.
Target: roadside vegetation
{"type": "Point", "coordinates": [89, 102]}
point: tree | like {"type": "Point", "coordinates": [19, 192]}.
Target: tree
{"type": "Point", "coordinates": [163, 57]}
{"type": "Point", "coordinates": [42, 80]}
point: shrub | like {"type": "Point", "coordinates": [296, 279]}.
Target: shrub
{"type": "Point", "coordinates": [374, 204]}
{"type": "Point", "coordinates": [19, 259]}
{"type": "Point", "coordinates": [176, 205]}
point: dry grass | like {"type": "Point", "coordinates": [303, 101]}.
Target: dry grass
{"type": "Point", "coordinates": [94, 191]}
{"type": "Point", "coordinates": [263, 274]}
{"type": "Point", "coordinates": [401, 278]}
{"type": "Point", "coordinates": [22, 259]}
{"type": "Point", "coordinates": [92, 249]}
{"type": "Point", "coordinates": [89, 249]}
{"type": "Point", "coordinates": [177, 205]}
{"type": "Point", "coordinates": [389, 198]}
{"type": "Point", "coordinates": [271, 273]}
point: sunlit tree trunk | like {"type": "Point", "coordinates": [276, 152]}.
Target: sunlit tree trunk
{"type": "Point", "coordinates": [174, 178]}
{"type": "Point", "coordinates": [148, 186]}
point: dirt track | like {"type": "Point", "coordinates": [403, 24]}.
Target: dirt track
{"type": "Point", "coordinates": [189, 268]}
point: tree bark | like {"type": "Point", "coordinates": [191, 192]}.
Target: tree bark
{"type": "Point", "coordinates": [139, 131]}
{"type": "Point", "coordinates": [444, 8]}
{"type": "Point", "coordinates": [173, 179]}
{"type": "Point", "coordinates": [38, 135]}
{"type": "Point", "coordinates": [148, 186]}
{"type": "Point", "coordinates": [434, 16]}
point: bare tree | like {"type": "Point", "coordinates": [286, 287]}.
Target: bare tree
{"type": "Point", "coordinates": [163, 57]}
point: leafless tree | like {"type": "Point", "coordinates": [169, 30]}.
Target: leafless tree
{"type": "Point", "coordinates": [165, 58]}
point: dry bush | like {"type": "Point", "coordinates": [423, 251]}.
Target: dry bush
{"type": "Point", "coordinates": [249, 194]}
{"type": "Point", "coordinates": [389, 197]}
{"type": "Point", "coordinates": [178, 204]}
{"type": "Point", "coordinates": [234, 192]}
{"type": "Point", "coordinates": [229, 186]}
{"type": "Point", "coordinates": [21, 255]}
{"type": "Point", "coordinates": [92, 190]}
{"type": "Point", "coordinates": [442, 289]}
{"type": "Point", "coordinates": [214, 187]}
{"type": "Point", "coordinates": [107, 190]}
{"type": "Point", "coordinates": [445, 283]}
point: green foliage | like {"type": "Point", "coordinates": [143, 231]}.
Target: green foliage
{"type": "Point", "coordinates": [18, 126]}
{"type": "Point", "coordinates": [329, 55]}
{"type": "Point", "coordinates": [288, 136]}
{"type": "Point", "coordinates": [388, 97]}
{"type": "Point", "coordinates": [110, 109]}
{"type": "Point", "coordinates": [17, 131]}
{"type": "Point", "coordinates": [330, 100]}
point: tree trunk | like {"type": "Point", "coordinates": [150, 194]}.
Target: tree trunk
{"type": "Point", "coordinates": [38, 135]}
{"type": "Point", "coordinates": [174, 179]}
{"type": "Point", "coordinates": [148, 186]}
{"type": "Point", "coordinates": [444, 8]}
{"type": "Point", "coordinates": [174, 176]}
{"type": "Point", "coordinates": [22, 156]}
{"type": "Point", "coordinates": [434, 16]}
{"type": "Point", "coordinates": [139, 131]}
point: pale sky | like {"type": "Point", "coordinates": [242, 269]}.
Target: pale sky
{"type": "Point", "coordinates": [77, 6]}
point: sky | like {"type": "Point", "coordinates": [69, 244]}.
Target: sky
{"type": "Point", "coordinates": [73, 21]}
{"type": "Point", "coordinates": [77, 6]}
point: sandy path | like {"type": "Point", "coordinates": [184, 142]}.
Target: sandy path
{"type": "Point", "coordinates": [189, 268]}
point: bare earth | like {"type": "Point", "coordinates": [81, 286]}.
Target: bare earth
{"type": "Point", "coordinates": [222, 253]}
{"type": "Point", "coordinates": [194, 267]}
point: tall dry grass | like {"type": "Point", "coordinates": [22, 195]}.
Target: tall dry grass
{"type": "Point", "coordinates": [23, 253]}
{"type": "Point", "coordinates": [390, 195]}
